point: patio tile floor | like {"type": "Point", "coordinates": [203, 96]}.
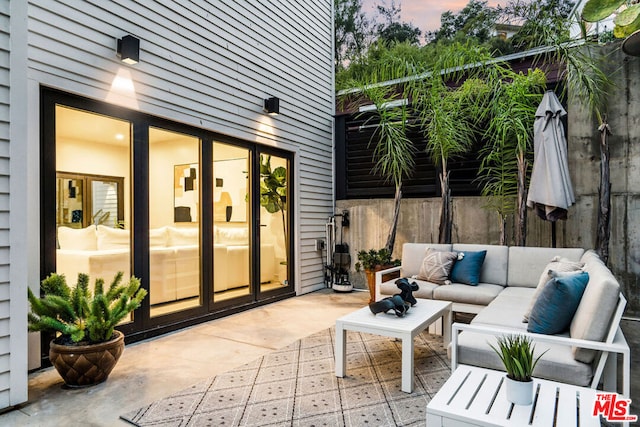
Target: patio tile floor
{"type": "Point", "coordinates": [155, 368]}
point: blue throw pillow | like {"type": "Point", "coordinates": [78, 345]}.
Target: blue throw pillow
{"type": "Point", "coordinates": [557, 303]}
{"type": "Point", "coordinates": [467, 268]}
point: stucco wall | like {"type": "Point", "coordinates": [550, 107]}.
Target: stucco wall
{"type": "Point", "coordinates": [419, 218]}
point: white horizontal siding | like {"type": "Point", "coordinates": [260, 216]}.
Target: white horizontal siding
{"type": "Point", "coordinates": [5, 298]}
{"type": "Point", "coordinates": [210, 64]}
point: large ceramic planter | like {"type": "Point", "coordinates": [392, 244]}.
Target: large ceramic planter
{"type": "Point", "coordinates": [519, 392]}
{"type": "Point", "coordinates": [371, 283]}
{"type": "Point", "coordinates": [85, 365]}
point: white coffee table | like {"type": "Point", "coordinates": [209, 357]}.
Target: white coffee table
{"type": "Point", "coordinates": [475, 396]}
{"type": "Point", "coordinates": [416, 320]}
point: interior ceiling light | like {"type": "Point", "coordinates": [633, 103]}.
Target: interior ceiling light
{"type": "Point", "coordinates": [272, 106]}
{"type": "Point", "coordinates": [128, 49]}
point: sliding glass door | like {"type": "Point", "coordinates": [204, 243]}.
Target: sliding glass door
{"type": "Point", "coordinates": [232, 219]}
{"type": "Point", "coordinates": [174, 221]}
{"type": "Point", "coordinates": [275, 223]}
{"type": "Point", "coordinates": [203, 220]}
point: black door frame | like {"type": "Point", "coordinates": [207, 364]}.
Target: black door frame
{"type": "Point", "coordinates": [143, 325]}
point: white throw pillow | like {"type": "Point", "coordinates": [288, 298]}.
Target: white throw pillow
{"type": "Point", "coordinates": [79, 239]}
{"type": "Point", "coordinates": [183, 236]}
{"type": "Point", "coordinates": [112, 238]}
{"type": "Point", "coordinates": [557, 265]}
{"type": "Point", "coordinates": [158, 237]}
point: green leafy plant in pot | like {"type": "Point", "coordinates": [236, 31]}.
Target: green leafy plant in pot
{"type": "Point", "coordinates": [371, 261]}
{"type": "Point", "coordinates": [273, 194]}
{"type": "Point", "coordinates": [87, 346]}
{"type": "Point", "coordinates": [517, 355]}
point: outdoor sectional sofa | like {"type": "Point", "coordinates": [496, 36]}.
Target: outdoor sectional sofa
{"type": "Point", "coordinates": [508, 280]}
{"type": "Point", "coordinates": [174, 258]}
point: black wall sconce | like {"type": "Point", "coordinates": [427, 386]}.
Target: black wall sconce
{"type": "Point", "coordinates": [272, 106]}
{"type": "Point", "coordinates": [129, 49]}
{"type": "Point", "coordinates": [631, 45]}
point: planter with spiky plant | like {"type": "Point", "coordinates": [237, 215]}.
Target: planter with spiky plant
{"type": "Point", "coordinates": [517, 355]}
{"type": "Point", "coordinates": [87, 346]}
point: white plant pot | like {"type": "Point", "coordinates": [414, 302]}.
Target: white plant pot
{"type": "Point", "coordinates": [519, 392]}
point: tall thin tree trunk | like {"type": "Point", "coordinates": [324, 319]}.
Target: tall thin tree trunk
{"type": "Point", "coordinates": [503, 229]}
{"type": "Point", "coordinates": [604, 193]}
{"type": "Point", "coordinates": [521, 202]}
{"type": "Point", "coordinates": [391, 239]}
{"type": "Point", "coordinates": [446, 219]}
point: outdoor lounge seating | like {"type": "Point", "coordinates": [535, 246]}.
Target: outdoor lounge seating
{"type": "Point", "coordinates": [507, 285]}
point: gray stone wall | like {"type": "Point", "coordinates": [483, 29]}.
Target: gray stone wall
{"type": "Point", "coordinates": [419, 218]}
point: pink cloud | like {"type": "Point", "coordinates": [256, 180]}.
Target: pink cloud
{"type": "Point", "coordinates": [424, 14]}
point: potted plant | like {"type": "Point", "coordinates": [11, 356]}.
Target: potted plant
{"type": "Point", "coordinates": [371, 261]}
{"type": "Point", "coordinates": [517, 355]}
{"type": "Point", "coordinates": [273, 196]}
{"type": "Point", "coordinates": [87, 346]}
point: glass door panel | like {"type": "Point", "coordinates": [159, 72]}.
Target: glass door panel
{"type": "Point", "coordinates": [89, 148]}
{"type": "Point", "coordinates": [174, 222]}
{"type": "Point", "coordinates": [274, 222]}
{"type": "Point", "coordinates": [231, 215]}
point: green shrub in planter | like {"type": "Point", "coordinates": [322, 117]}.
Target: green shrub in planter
{"type": "Point", "coordinates": [78, 315]}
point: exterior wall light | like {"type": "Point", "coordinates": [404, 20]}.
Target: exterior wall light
{"type": "Point", "coordinates": [272, 106]}
{"type": "Point", "coordinates": [631, 45]}
{"type": "Point", "coordinates": [129, 49]}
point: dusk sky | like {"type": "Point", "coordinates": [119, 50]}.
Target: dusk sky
{"type": "Point", "coordinates": [424, 14]}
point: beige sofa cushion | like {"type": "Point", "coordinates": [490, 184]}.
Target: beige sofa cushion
{"type": "Point", "coordinates": [158, 237]}
{"type": "Point", "coordinates": [557, 364]}
{"type": "Point", "coordinates": [232, 236]}
{"type": "Point", "coordinates": [597, 306]}
{"type": "Point", "coordinates": [78, 239]}
{"type": "Point", "coordinates": [494, 268]}
{"type": "Point", "coordinates": [482, 294]}
{"type": "Point", "coordinates": [413, 255]}
{"type": "Point", "coordinates": [507, 309]}
{"type": "Point", "coordinates": [526, 264]}
{"type": "Point", "coordinates": [425, 289]}
{"type": "Point", "coordinates": [183, 236]}
{"type": "Point", "coordinates": [112, 238]}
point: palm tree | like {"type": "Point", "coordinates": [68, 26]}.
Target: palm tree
{"type": "Point", "coordinates": [505, 162]}
{"type": "Point", "coordinates": [448, 116]}
{"type": "Point", "coordinates": [394, 151]}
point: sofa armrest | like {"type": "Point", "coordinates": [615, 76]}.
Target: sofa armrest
{"type": "Point", "coordinates": [619, 346]}
{"type": "Point", "coordinates": [379, 275]}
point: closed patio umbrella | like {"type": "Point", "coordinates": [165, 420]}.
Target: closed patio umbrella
{"type": "Point", "coordinates": [550, 190]}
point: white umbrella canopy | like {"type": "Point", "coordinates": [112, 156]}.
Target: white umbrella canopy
{"type": "Point", "coordinates": [550, 190]}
